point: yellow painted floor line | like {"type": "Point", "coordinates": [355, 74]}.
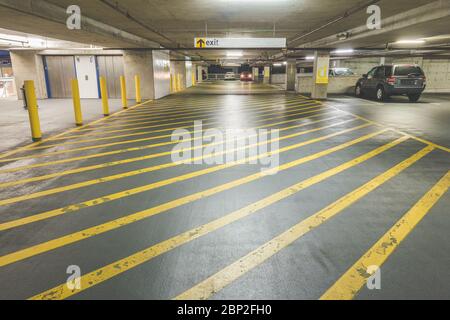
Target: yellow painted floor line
{"type": "Point", "coordinates": [103, 132]}
{"type": "Point", "coordinates": [217, 108]}
{"type": "Point", "coordinates": [191, 118]}
{"type": "Point", "coordinates": [152, 156]}
{"type": "Point", "coordinates": [135, 217]}
{"type": "Point", "coordinates": [186, 106]}
{"type": "Point", "coordinates": [424, 141]}
{"type": "Point", "coordinates": [253, 107]}
{"type": "Point", "coordinates": [140, 122]}
{"type": "Point", "coordinates": [128, 174]}
{"type": "Point", "coordinates": [49, 154]}
{"type": "Point", "coordinates": [114, 269]}
{"type": "Point", "coordinates": [97, 155]}
{"type": "Point", "coordinates": [351, 282]}
{"type": "Point", "coordinates": [73, 130]}
{"type": "Point", "coordinates": [207, 288]}
{"type": "Point", "coordinates": [134, 134]}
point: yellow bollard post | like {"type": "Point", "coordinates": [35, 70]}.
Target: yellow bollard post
{"type": "Point", "coordinates": [77, 102]}
{"type": "Point", "coordinates": [35, 125]}
{"type": "Point", "coordinates": [104, 93]}
{"type": "Point", "coordinates": [123, 87]}
{"type": "Point", "coordinates": [193, 80]}
{"type": "Point", "coordinates": [137, 81]}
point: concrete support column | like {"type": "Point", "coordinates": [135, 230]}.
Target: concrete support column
{"type": "Point", "coordinates": [255, 72]}
{"type": "Point", "coordinates": [291, 74]}
{"type": "Point", "coordinates": [266, 74]}
{"type": "Point", "coordinates": [178, 72]}
{"type": "Point", "coordinates": [28, 65]}
{"type": "Point", "coordinates": [320, 75]}
{"type": "Point", "coordinates": [139, 63]}
{"type": "Point", "coordinates": [200, 74]}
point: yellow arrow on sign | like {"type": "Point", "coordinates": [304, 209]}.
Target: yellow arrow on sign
{"type": "Point", "coordinates": [200, 42]}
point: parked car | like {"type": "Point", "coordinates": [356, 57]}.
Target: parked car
{"type": "Point", "coordinates": [246, 76]}
{"type": "Point", "coordinates": [230, 76]}
{"type": "Point", "coordinates": [391, 80]}
{"type": "Point", "coordinates": [337, 72]}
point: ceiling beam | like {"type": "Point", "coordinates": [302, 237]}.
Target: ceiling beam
{"type": "Point", "coordinates": [53, 13]}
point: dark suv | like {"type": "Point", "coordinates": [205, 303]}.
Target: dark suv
{"type": "Point", "coordinates": [392, 80]}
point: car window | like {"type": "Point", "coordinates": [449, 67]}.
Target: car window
{"type": "Point", "coordinates": [408, 70]}
{"type": "Point", "coordinates": [372, 72]}
{"type": "Point", "coordinates": [343, 72]}
{"type": "Point", "coordinates": [380, 72]}
{"type": "Point", "coordinates": [388, 70]}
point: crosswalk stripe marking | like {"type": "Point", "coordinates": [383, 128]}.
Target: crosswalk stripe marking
{"type": "Point", "coordinates": [231, 273]}
{"type": "Point", "coordinates": [49, 154]}
{"type": "Point", "coordinates": [118, 223]}
{"type": "Point", "coordinates": [103, 154]}
{"type": "Point", "coordinates": [163, 166]}
{"type": "Point", "coordinates": [105, 273]}
{"type": "Point", "coordinates": [351, 282]}
{"type": "Point", "coordinates": [152, 156]}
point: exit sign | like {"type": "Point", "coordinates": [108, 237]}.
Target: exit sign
{"type": "Point", "coordinates": [241, 43]}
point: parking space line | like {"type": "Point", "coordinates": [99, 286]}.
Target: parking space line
{"type": "Point", "coordinates": [424, 141]}
{"type": "Point", "coordinates": [231, 273]}
{"type": "Point", "coordinates": [92, 156]}
{"type": "Point", "coordinates": [152, 156]}
{"type": "Point", "coordinates": [170, 121]}
{"type": "Point", "coordinates": [139, 128]}
{"type": "Point", "coordinates": [351, 282]}
{"type": "Point", "coordinates": [172, 164]}
{"type": "Point", "coordinates": [142, 132]}
{"type": "Point", "coordinates": [247, 106]}
{"type": "Point", "coordinates": [49, 154]}
{"type": "Point", "coordinates": [100, 275]}
{"type": "Point", "coordinates": [135, 217]}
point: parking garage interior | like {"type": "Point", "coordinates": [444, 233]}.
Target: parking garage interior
{"type": "Point", "coordinates": [224, 150]}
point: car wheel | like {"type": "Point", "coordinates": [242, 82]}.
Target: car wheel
{"type": "Point", "coordinates": [380, 94]}
{"type": "Point", "coordinates": [358, 91]}
{"type": "Point", "coordinates": [414, 97]}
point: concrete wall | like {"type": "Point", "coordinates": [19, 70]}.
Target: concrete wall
{"type": "Point", "coordinates": [343, 85]}
{"type": "Point", "coordinates": [28, 65]}
{"type": "Point", "coordinates": [278, 78]}
{"type": "Point", "coordinates": [139, 63]}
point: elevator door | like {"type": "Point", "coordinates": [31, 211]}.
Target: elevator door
{"type": "Point", "coordinates": [111, 68]}
{"type": "Point", "coordinates": [60, 72]}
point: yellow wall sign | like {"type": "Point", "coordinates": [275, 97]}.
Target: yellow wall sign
{"type": "Point", "coordinates": [322, 68]}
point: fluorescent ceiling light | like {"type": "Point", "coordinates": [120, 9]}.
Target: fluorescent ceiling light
{"type": "Point", "coordinates": [234, 54]}
{"type": "Point", "coordinates": [419, 41]}
{"type": "Point", "coordinates": [277, 64]}
{"type": "Point", "coordinates": [339, 51]}
{"type": "Point", "coordinates": [310, 58]}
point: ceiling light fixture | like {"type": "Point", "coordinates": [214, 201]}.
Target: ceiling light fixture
{"type": "Point", "coordinates": [341, 51]}
{"type": "Point", "coordinates": [418, 41]}
{"type": "Point", "coordinates": [234, 54]}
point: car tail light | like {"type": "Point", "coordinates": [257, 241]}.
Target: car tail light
{"type": "Point", "coordinates": [391, 80]}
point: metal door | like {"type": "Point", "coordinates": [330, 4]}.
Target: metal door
{"type": "Point", "coordinates": [60, 70]}
{"type": "Point", "coordinates": [111, 68]}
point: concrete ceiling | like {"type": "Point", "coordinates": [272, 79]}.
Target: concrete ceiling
{"type": "Point", "coordinates": [177, 22]}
